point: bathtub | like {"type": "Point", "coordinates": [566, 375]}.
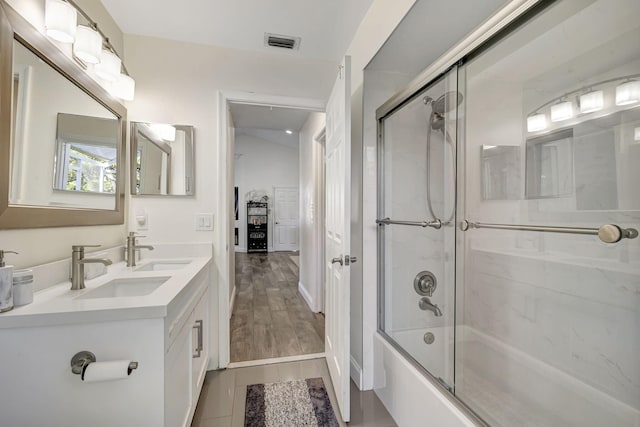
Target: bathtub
{"type": "Point", "coordinates": [502, 385]}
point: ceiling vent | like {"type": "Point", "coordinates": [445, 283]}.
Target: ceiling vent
{"type": "Point", "coordinates": [280, 41]}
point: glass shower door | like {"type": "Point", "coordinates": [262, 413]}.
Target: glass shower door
{"type": "Point", "coordinates": [548, 311]}
{"type": "Point", "coordinates": [417, 233]}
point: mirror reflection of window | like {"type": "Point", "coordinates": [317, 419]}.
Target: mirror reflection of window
{"type": "Point", "coordinates": [86, 155]}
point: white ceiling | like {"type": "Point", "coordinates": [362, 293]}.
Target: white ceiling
{"type": "Point", "coordinates": [247, 116]}
{"type": "Point", "coordinates": [326, 27]}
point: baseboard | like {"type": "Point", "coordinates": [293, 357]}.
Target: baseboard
{"type": "Point", "coordinates": [240, 249]}
{"type": "Point", "coordinates": [232, 301]}
{"type": "Point", "coordinates": [305, 294]}
{"type": "Point", "coordinates": [356, 373]}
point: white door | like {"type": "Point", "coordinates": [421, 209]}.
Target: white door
{"type": "Point", "coordinates": [285, 230]}
{"type": "Point", "coordinates": [337, 231]}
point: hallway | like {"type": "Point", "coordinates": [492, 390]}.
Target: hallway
{"type": "Point", "coordinates": [270, 318]}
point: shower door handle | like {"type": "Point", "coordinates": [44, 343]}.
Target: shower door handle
{"type": "Point", "coordinates": [349, 259]}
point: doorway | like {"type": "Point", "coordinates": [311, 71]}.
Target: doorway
{"type": "Point", "coordinates": [272, 313]}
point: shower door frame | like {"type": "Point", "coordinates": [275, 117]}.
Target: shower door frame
{"type": "Point", "coordinates": [501, 24]}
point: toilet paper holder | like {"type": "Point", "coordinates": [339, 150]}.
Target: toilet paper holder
{"type": "Point", "coordinates": [82, 359]}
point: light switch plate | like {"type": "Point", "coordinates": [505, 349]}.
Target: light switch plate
{"type": "Point", "coordinates": [204, 222]}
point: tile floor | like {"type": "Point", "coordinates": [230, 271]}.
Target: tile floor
{"type": "Point", "coordinates": [222, 401]}
{"type": "Point", "coordinates": [270, 318]}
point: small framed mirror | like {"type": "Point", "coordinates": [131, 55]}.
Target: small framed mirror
{"type": "Point", "coordinates": [163, 159]}
{"type": "Point", "coordinates": [549, 165]}
{"type": "Point", "coordinates": [500, 172]}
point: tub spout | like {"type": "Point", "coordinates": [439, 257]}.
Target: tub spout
{"type": "Point", "coordinates": [426, 304]}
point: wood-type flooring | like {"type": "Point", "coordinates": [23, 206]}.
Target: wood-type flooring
{"type": "Point", "coordinates": [270, 319]}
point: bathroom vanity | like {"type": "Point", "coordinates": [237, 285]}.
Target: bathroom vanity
{"type": "Point", "coordinates": [156, 314]}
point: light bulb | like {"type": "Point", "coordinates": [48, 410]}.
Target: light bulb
{"type": "Point", "coordinates": [591, 101]}
{"type": "Point", "coordinates": [124, 88]}
{"type": "Point", "coordinates": [628, 93]}
{"type": "Point", "coordinates": [60, 20]}
{"type": "Point", "coordinates": [88, 45]}
{"type": "Point", "coordinates": [561, 111]}
{"type": "Point", "coordinates": [108, 69]}
{"type": "Point", "coordinates": [536, 122]}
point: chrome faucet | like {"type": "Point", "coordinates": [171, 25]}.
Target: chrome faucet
{"type": "Point", "coordinates": [426, 304]}
{"type": "Point", "coordinates": [132, 247]}
{"type": "Point", "coordinates": [77, 265]}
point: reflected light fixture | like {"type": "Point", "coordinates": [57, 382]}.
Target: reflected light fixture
{"type": "Point", "coordinates": [164, 131]}
{"type": "Point", "coordinates": [628, 92]}
{"type": "Point", "coordinates": [288, 132]}
{"type": "Point", "coordinates": [88, 45]}
{"type": "Point", "coordinates": [536, 122]}
{"type": "Point", "coordinates": [60, 20]}
{"type": "Point", "coordinates": [124, 88]}
{"type": "Point", "coordinates": [591, 101]}
{"type": "Point", "coordinates": [561, 111]}
{"type": "Point", "coordinates": [108, 69]}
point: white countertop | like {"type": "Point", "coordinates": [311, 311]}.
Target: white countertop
{"type": "Point", "coordinates": [59, 304]}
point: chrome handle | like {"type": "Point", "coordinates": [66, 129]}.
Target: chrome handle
{"type": "Point", "coordinates": [349, 259]}
{"type": "Point", "coordinates": [608, 233]}
{"type": "Point", "coordinates": [199, 346]}
{"type": "Point", "coordinates": [337, 260]}
{"type": "Point", "coordinates": [436, 223]}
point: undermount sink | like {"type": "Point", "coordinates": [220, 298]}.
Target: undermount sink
{"type": "Point", "coordinates": [163, 265]}
{"type": "Point", "coordinates": [129, 287]}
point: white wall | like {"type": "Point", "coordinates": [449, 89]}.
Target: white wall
{"type": "Point", "coordinates": [38, 246]}
{"type": "Point", "coordinates": [262, 165]}
{"type": "Point", "coordinates": [311, 211]}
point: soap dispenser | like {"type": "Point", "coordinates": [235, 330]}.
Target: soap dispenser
{"type": "Point", "coordinates": [6, 283]}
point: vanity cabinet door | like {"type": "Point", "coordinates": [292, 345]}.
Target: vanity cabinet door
{"type": "Point", "coordinates": [178, 390]}
{"type": "Point", "coordinates": [200, 339]}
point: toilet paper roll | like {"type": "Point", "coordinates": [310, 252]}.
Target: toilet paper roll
{"type": "Point", "coordinates": [106, 371]}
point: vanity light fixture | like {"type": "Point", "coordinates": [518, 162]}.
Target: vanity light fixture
{"type": "Point", "coordinates": [124, 88]}
{"type": "Point", "coordinates": [628, 93]}
{"type": "Point", "coordinates": [591, 101]}
{"type": "Point", "coordinates": [288, 132]}
{"type": "Point", "coordinates": [91, 46]}
{"type": "Point", "coordinates": [163, 131]}
{"type": "Point", "coordinates": [536, 122]}
{"type": "Point", "coordinates": [60, 20]}
{"type": "Point", "coordinates": [88, 45]}
{"type": "Point", "coordinates": [108, 69]}
{"type": "Point", "coordinates": [561, 111]}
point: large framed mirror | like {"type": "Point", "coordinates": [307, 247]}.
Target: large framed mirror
{"type": "Point", "coordinates": [162, 159]}
{"type": "Point", "coordinates": [61, 136]}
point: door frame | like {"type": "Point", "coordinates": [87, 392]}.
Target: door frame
{"type": "Point", "coordinates": [223, 232]}
{"type": "Point", "coordinates": [319, 153]}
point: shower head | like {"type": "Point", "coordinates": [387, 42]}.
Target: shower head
{"type": "Point", "coordinates": [446, 102]}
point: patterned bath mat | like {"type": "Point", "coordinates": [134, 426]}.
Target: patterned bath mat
{"type": "Point", "coordinates": [290, 403]}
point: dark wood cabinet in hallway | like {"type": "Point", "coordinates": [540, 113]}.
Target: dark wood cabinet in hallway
{"type": "Point", "coordinates": [270, 318]}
